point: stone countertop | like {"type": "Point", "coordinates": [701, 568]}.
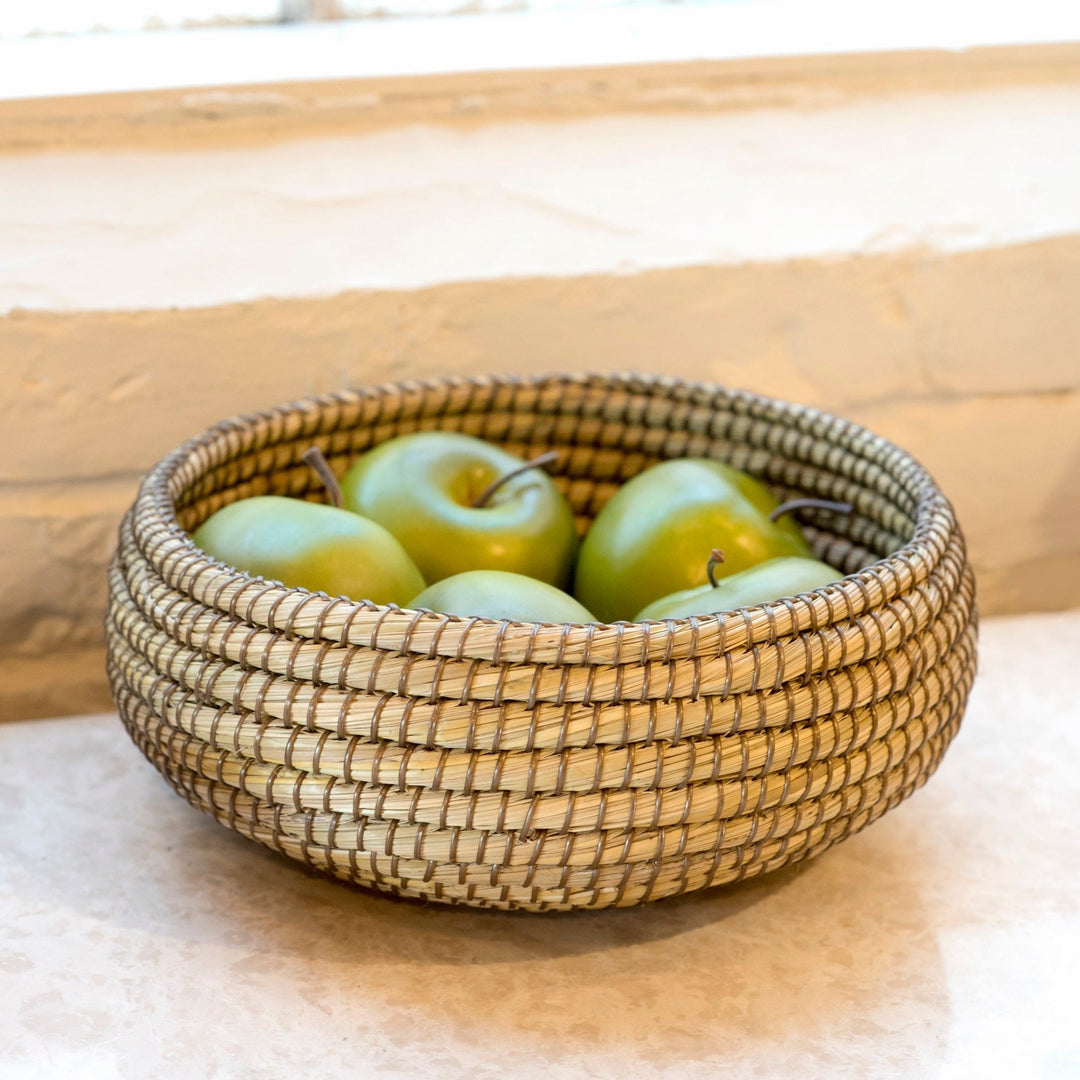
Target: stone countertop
{"type": "Point", "coordinates": [140, 939]}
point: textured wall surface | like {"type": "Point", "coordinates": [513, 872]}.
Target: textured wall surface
{"type": "Point", "coordinates": [925, 286]}
{"type": "Point", "coordinates": [98, 397]}
{"type": "Point", "coordinates": [415, 206]}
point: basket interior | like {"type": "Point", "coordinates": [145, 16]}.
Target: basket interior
{"type": "Point", "coordinates": [604, 436]}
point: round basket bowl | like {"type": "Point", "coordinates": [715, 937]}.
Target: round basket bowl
{"type": "Point", "coordinates": [534, 766]}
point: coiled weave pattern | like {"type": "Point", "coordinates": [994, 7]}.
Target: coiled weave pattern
{"type": "Point", "coordinates": [532, 766]}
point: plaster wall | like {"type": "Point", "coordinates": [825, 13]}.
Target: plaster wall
{"type": "Point", "coordinates": [911, 261]}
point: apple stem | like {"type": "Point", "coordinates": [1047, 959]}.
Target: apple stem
{"type": "Point", "coordinates": [315, 458]}
{"type": "Point", "coordinates": [810, 504]}
{"type": "Point", "coordinates": [541, 459]}
{"type": "Point", "coordinates": [715, 559]}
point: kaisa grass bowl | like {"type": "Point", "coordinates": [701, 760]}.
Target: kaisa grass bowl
{"type": "Point", "coordinates": [533, 766]}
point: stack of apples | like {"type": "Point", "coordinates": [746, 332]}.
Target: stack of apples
{"type": "Point", "coordinates": [449, 523]}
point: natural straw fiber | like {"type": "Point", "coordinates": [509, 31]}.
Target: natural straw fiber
{"type": "Point", "coordinates": [533, 766]}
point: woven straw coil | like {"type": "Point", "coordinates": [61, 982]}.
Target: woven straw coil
{"type": "Point", "coordinates": [533, 766]}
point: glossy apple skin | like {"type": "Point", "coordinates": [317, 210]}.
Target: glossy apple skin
{"type": "Point", "coordinates": [311, 546]}
{"type": "Point", "coordinates": [496, 594]}
{"type": "Point", "coordinates": [422, 486]}
{"type": "Point", "coordinates": [770, 580]}
{"type": "Point", "coordinates": [654, 536]}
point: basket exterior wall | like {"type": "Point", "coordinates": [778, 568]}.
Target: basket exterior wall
{"type": "Point", "coordinates": [542, 767]}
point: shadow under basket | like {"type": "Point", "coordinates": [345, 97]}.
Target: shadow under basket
{"type": "Point", "coordinates": [533, 766]}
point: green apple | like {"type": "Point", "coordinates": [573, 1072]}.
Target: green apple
{"type": "Point", "coordinates": [648, 540]}
{"type": "Point", "coordinates": [497, 594]}
{"type": "Point", "coordinates": [311, 546]}
{"type": "Point", "coordinates": [433, 491]}
{"type": "Point", "coordinates": [770, 580]}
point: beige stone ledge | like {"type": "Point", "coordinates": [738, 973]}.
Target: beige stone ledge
{"type": "Point", "coordinates": [421, 205]}
{"type": "Point", "coordinates": [95, 394]}
{"type": "Point", "coordinates": [57, 541]}
{"type": "Point", "coordinates": [206, 87]}
{"type": "Point", "coordinates": [53, 684]}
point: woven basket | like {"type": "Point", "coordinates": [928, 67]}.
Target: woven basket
{"type": "Point", "coordinates": [513, 765]}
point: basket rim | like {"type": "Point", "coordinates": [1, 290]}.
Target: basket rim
{"type": "Point", "coordinates": [304, 613]}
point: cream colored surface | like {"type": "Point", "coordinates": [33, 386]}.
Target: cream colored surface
{"type": "Point", "coordinates": [138, 938]}
{"type": "Point", "coordinates": [416, 206]}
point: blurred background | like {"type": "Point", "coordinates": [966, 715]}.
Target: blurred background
{"type": "Point", "coordinates": [208, 207]}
